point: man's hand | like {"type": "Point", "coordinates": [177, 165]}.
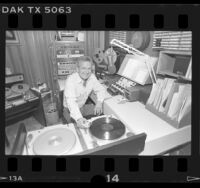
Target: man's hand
{"type": "Point", "coordinates": [83, 123]}
{"type": "Point", "coordinates": [98, 108]}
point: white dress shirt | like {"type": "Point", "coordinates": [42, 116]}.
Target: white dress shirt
{"type": "Point", "coordinates": [75, 94]}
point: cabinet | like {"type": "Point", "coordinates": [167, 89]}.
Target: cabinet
{"type": "Point", "coordinates": [175, 63]}
{"type": "Point", "coordinates": [66, 49]}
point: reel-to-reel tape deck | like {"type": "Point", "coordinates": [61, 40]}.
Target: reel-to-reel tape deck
{"type": "Point", "coordinates": [21, 101]}
{"type": "Point", "coordinates": [17, 92]}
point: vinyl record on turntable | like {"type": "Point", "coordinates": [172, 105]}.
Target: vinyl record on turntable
{"type": "Point", "coordinates": [20, 88]}
{"type": "Point", "coordinates": [54, 142]}
{"type": "Point", "coordinates": [107, 128]}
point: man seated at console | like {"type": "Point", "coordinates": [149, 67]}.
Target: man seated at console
{"type": "Point", "coordinates": [78, 87]}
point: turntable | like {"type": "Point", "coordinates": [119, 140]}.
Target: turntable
{"type": "Point", "coordinates": [104, 130]}
{"type": "Point", "coordinates": [53, 140]}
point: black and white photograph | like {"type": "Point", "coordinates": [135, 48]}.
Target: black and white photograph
{"type": "Point", "coordinates": [98, 92]}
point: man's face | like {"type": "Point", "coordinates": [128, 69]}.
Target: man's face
{"type": "Point", "coordinates": [85, 69]}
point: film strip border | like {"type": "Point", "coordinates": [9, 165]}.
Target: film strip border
{"type": "Point", "coordinates": [113, 168]}
{"type": "Point", "coordinates": [86, 21]}
{"type": "Point", "coordinates": [98, 169]}
{"type": "Point", "coordinates": [108, 16]}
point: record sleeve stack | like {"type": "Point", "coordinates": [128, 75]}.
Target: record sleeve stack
{"type": "Point", "coordinates": [171, 100]}
{"type": "Point", "coordinates": [172, 40]}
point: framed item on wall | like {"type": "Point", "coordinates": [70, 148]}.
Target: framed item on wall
{"type": "Point", "coordinates": [12, 37]}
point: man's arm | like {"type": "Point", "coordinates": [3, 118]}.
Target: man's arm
{"type": "Point", "coordinates": [70, 99]}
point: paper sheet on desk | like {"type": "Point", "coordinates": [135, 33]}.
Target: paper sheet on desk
{"type": "Point", "coordinates": [177, 101]}
{"type": "Point", "coordinates": [166, 91]}
{"type": "Point", "coordinates": [162, 93]}
{"type": "Point", "coordinates": [186, 108]}
{"type": "Point", "coordinates": [158, 92]}
{"type": "Point", "coordinates": [154, 93]}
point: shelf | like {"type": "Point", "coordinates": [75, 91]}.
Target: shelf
{"type": "Point", "coordinates": [68, 42]}
{"type": "Point", "coordinates": [184, 80]}
{"type": "Point", "coordinates": [176, 52]}
{"type": "Point", "coordinates": [168, 74]}
{"type": "Point", "coordinates": [185, 121]}
{"type": "Point", "coordinates": [175, 65]}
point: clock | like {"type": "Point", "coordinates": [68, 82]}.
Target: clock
{"type": "Point", "coordinates": [140, 40]}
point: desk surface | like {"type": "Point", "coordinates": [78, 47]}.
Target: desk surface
{"type": "Point", "coordinates": [161, 136]}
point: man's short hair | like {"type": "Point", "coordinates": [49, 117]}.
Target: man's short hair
{"type": "Point", "coordinates": [84, 58]}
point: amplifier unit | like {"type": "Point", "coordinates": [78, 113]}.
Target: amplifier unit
{"type": "Point", "coordinates": [65, 72]}
{"type": "Point", "coordinates": [67, 67]}
{"type": "Point", "coordinates": [14, 78]}
{"type": "Point", "coordinates": [69, 52]}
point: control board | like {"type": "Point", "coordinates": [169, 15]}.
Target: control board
{"type": "Point", "coordinates": [121, 86]}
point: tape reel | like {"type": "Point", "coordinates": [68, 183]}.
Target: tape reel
{"type": "Point", "coordinates": [20, 88]}
{"type": "Point", "coordinates": [110, 56]}
{"type": "Point", "coordinates": [98, 56]}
